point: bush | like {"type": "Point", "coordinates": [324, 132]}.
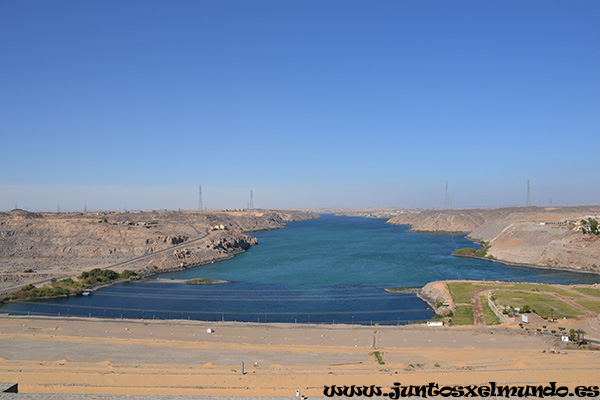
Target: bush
{"type": "Point", "coordinates": [67, 286]}
{"type": "Point", "coordinates": [98, 276]}
{"type": "Point", "coordinates": [127, 274]}
{"type": "Point", "coordinates": [471, 252]}
{"type": "Point", "coordinates": [480, 253]}
{"type": "Point", "coordinates": [28, 288]}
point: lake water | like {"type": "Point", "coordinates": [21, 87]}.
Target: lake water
{"type": "Point", "coordinates": [330, 270]}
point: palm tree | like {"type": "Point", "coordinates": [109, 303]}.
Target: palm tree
{"type": "Point", "coordinates": [580, 335]}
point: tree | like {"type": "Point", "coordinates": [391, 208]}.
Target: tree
{"type": "Point", "coordinates": [593, 226]}
{"type": "Point", "coordinates": [572, 334]}
{"type": "Point", "coordinates": [580, 335]}
{"type": "Point", "coordinates": [127, 274]}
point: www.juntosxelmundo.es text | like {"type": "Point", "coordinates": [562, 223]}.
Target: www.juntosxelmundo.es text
{"type": "Point", "coordinates": [433, 389]}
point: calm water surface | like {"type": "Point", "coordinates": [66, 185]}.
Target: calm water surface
{"type": "Point", "coordinates": [329, 270]}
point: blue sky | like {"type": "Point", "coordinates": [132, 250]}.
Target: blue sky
{"type": "Point", "coordinates": [133, 104]}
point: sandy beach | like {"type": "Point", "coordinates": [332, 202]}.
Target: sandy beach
{"type": "Point", "coordinates": [57, 355]}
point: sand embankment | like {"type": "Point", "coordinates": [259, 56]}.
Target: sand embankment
{"type": "Point", "coordinates": [36, 247]}
{"type": "Point", "coordinates": [51, 355]}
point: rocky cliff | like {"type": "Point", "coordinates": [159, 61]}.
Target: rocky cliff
{"type": "Point", "coordinates": [543, 237]}
{"type": "Point", "coordinates": [36, 247]}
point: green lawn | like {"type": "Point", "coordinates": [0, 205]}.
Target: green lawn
{"type": "Point", "coordinates": [539, 302]}
{"type": "Point", "coordinates": [489, 316]}
{"type": "Point", "coordinates": [592, 305]}
{"type": "Point", "coordinates": [589, 291]}
{"type": "Point", "coordinates": [539, 298]}
{"type": "Point", "coordinates": [463, 316]}
{"type": "Point", "coordinates": [461, 291]}
{"type": "Point", "coordinates": [535, 287]}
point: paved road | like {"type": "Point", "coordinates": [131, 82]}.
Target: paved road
{"type": "Point", "coordinates": [119, 264]}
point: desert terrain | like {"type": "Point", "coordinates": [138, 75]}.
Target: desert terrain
{"type": "Point", "coordinates": [129, 357]}
{"type": "Point", "coordinates": [53, 355]}
{"type": "Point", "coordinates": [36, 247]}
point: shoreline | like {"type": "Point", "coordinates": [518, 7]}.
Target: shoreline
{"type": "Point", "coordinates": [512, 264]}
{"type": "Point", "coordinates": [144, 242]}
{"type": "Point", "coordinates": [424, 293]}
{"type": "Point", "coordinates": [149, 273]}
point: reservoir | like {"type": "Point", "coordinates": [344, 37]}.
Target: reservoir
{"type": "Point", "coordinates": [330, 270]}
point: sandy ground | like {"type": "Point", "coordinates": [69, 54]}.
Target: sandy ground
{"type": "Point", "coordinates": [53, 355]}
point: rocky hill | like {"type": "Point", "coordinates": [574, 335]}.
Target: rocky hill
{"type": "Point", "coordinates": [537, 236]}
{"type": "Point", "coordinates": [36, 247]}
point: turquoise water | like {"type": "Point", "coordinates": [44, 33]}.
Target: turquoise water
{"type": "Point", "coordinates": [329, 270]}
{"type": "Point", "coordinates": [365, 252]}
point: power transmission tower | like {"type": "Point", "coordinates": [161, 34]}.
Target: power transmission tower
{"type": "Point", "coordinates": [448, 204]}
{"type": "Point", "coordinates": [84, 207]}
{"type": "Point", "coordinates": [528, 195]}
{"type": "Point", "coordinates": [200, 198]}
{"type": "Point", "coordinates": [251, 205]}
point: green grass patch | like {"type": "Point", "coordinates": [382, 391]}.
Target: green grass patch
{"type": "Point", "coordinates": [489, 316]}
{"type": "Point", "coordinates": [540, 303]}
{"type": "Point", "coordinates": [463, 316]}
{"type": "Point", "coordinates": [534, 287]}
{"type": "Point", "coordinates": [461, 291]}
{"type": "Point", "coordinates": [200, 281]}
{"type": "Point", "coordinates": [592, 305]}
{"type": "Point", "coordinates": [589, 291]}
{"type": "Point", "coordinates": [378, 357]}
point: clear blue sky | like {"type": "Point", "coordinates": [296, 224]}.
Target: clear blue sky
{"type": "Point", "coordinates": [307, 103]}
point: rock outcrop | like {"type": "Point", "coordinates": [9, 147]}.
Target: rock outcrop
{"type": "Point", "coordinates": [36, 247]}
{"type": "Point", "coordinates": [437, 296]}
{"type": "Point", "coordinates": [536, 236]}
